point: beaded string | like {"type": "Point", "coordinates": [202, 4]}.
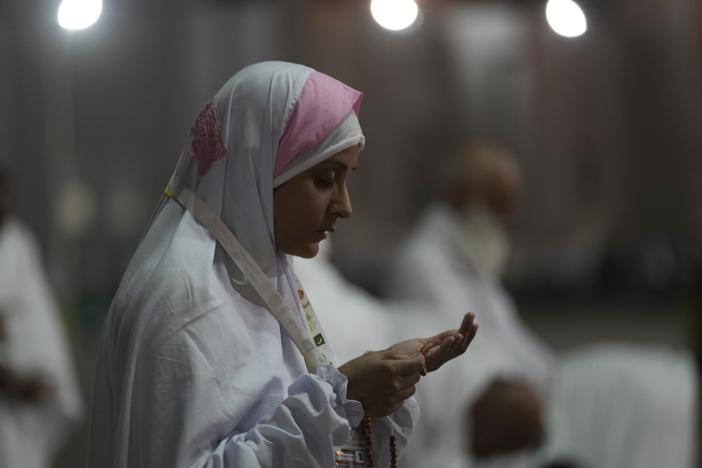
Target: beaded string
{"type": "Point", "coordinates": [393, 451]}
{"type": "Point", "coordinates": [368, 423]}
{"type": "Point", "coordinates": [368, 436]}
{"type": "Point", "coordinates": [425, 350]}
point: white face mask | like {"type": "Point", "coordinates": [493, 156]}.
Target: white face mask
{"type": "Point", "coordinates": [484, 241]}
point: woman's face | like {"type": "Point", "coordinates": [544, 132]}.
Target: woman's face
{"type": "Point", "coordinates": [307, 206]}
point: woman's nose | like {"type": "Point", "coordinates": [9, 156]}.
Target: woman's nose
{"type": "Point", "coordinates": [342, 204]}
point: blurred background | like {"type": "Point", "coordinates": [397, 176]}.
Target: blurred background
{"type": "Point", "coordinates": [607, 127]}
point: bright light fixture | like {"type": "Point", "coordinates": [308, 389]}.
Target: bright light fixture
{"type": "Point", "coordinates": [78, 14]}
{"type": "Point", "coordinates": [566, 18]}
{"type": "Point", "coordinates": [394, 14]}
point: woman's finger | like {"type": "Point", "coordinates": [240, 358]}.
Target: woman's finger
{"type": "Point", "coordinates": [444, 348]}
{"type": "Point", "coordinates": [405, 393]}
{"type": "Point", "coordinates": [443, 335]}
{"type": "Point", "coordinates": [458, 345]}
{"type": "Point", "coordinates": [471, 334]}
{"type": "Point", "coordinates": [409, 380]}
{"type": "Point", "coordinates": [469, 337]}
{"type": "Point", "coordinates": [438, 354]}
{"type": "Point", "coordinates": [410, 365]}
{"type": "Point", "coordinates": [467, 323]}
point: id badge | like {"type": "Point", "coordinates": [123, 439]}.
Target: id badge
{"type": "Point", "coordinates": [353, 454]}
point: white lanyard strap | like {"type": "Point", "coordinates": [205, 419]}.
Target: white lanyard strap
{"type": "Point", "coordinates": [311, 341]}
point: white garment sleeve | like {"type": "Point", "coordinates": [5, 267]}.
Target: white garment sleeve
{"type": "Point", "coordinates": [302, 430]}
{"type": "Point", "coordinates": [308, 424]}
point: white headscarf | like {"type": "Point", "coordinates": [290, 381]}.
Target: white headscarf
{"type": "Point", "coordinates": [268, 123]}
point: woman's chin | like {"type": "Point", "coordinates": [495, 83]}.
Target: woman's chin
{"type": "Point", "coordinates": [307, 251]}
{"type": "Point", "coordinates": [312, 250]}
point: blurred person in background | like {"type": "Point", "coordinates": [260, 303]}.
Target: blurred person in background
{"type": "Point", "coordinates": [39, 397]}
{"type": "Point", "coordinates": [454, 258]}
{"type": "Point", "coordinates": [213, 354]}
{"type": "Point", "coordinates": [602, 407]}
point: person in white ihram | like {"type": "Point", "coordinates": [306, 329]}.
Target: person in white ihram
{"type": "Point", "coordinates": [39, 398]}
{"type": "Point", "coordinates": [518, 395]}
{"type": "Point", "coordinates": [454, 256]}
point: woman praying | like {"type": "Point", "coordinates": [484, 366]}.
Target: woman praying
{"type": "Point", "coordinates": [212, 354]}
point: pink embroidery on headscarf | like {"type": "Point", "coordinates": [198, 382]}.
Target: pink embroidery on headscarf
{"type": "Point", "coordinates": [323, 103]}
{"type": "Point", "coordinates": [206, 145]}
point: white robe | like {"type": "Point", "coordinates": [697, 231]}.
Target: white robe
{"type": "Point", "coordinates": [625, 406]}
{"type": "Point", "coordinates": [32, 433]}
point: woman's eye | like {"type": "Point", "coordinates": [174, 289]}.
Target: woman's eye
{"type": "Point", "coordinates": [323, 182]}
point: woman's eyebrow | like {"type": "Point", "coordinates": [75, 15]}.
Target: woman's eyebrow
{"type": "Point", "coordinates": [338, 164]}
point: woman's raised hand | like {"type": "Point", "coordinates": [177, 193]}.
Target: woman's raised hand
{"type": "Point", "coordinates": [441, 348]}
{"type": "Point", "coordinates": [382, 380]}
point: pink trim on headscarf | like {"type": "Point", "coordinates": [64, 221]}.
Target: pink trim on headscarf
{"type": "Point", "coordinates": [323, 103]}
{"type": "Point", "coordinates": [206, 146]}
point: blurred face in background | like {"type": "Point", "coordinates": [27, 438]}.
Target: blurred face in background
{"type": "Point", "coordinates": [486, 199]}
{"type": "Point", "coordinates": [488, 179]}
{"type": "Point", "coordinates": [502, 190]}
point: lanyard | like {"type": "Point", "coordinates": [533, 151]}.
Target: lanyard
{"type": "Point", "coordinates": [310, 340]}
